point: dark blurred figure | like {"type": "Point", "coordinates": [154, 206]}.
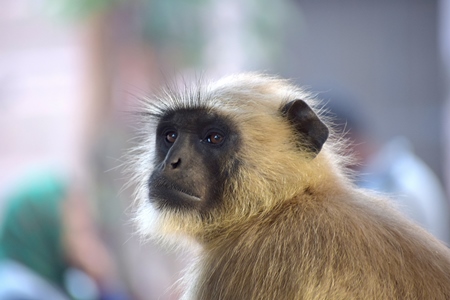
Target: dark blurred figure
{"type": "Point", "coordinates": [49, 249]}
{"type": "Point", "coordinates": [32, 260]}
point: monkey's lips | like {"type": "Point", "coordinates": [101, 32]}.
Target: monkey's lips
{"type": "Point", "coordinates": [165, 193]}
{"type": "Point", "coordinates": [183, 193]}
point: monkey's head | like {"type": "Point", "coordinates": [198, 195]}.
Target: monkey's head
{"type": "Point", "coordinates": [220, 153]}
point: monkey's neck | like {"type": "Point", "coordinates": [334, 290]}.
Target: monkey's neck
{"type": "Point", "coordinates": [237, 224]}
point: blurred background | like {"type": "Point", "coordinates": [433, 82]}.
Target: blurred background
{"type": "Point", "coordinates": [70, 74]}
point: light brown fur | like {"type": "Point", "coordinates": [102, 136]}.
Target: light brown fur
{"type": "Point", "coordinates": [291, 225]}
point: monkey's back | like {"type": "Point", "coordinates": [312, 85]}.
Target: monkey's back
{"type": "Point", "coordinates": [336, 248]}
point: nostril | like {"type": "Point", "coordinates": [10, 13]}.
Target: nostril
{"type": "Point", "coordinates": [176, 163]}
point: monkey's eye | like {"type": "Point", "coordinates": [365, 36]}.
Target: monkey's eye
{"type": "Point", "coordinates": [171, 136]}
{"type": "Point", "coordinates": [215, 138]}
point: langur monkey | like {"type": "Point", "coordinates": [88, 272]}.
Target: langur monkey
{"type": "Point", "coordinates": [246, 168]}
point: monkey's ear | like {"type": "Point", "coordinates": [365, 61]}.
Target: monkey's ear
{"type": "Point", "coordinates": [306, 122]}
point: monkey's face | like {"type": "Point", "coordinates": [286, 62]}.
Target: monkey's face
{"type": "Point", "coordinates": [223, 154]}
{"type": "Point", "coordinates": [194, 150]}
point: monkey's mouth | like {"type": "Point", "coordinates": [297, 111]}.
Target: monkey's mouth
{"type": "Point", "coordinates": [178, 190]}
{"type": "Point", "coordinates": [169, 194]}
{"type": "Point", "coordinates": [186, 194]}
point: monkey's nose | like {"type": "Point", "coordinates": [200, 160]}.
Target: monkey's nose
{"type": "Point", "coordinates": [175, 163]}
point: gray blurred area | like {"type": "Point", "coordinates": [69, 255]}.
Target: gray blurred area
{"type": "Point", "coordinates": [384, 56]}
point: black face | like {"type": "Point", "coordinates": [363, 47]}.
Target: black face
{"type": "Point", "coordinates": [195, 154]}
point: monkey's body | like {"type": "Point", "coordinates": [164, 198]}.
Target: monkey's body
{"type": "Point", "coordinates": [242, 168]}
{"type": "Point", "coordinates": [308, 249]}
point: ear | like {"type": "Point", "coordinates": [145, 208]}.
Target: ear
{"type": "Point", "coordinates": [307, 123]}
